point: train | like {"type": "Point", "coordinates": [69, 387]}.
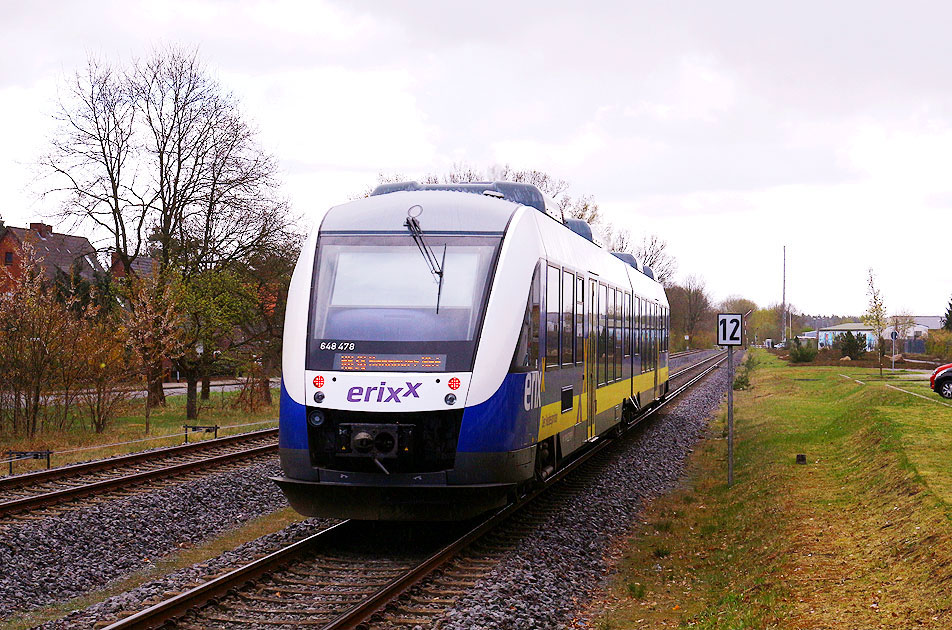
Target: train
{"type": "Point", "coordinates": [447, 346]}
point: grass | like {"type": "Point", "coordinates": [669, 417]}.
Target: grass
{"type": "Point", "coordinates": [154, 569]}
{"type": "Point", "coordinates": [860, 537]}
{"type": "Point", "coordinates": [165, 425]}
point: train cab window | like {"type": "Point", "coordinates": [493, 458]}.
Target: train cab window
{"type": "Point", "coordinates": [579, 319]}
{"type": "Point", "coordinates": [553, 311]}
{"type": "Point", "coordinates": [568, 317]}
{"type": "Point", "coordinates": [379, 289]}
{"type": "Point", "coordinates": [526, 356]}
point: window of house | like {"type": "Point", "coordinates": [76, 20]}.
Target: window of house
{"type": "Point", "coordinates": [8, 258]}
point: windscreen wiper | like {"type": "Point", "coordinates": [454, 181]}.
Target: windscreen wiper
{"type": "Point", "coordinates": [436, 268]}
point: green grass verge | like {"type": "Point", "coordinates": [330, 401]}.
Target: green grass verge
{"type": "Point", "coordinates": [860, 537]}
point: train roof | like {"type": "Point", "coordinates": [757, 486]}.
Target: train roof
{"type": "Point", "coordinates": [523, 194]}
{"type": "Point", "coordinates": [486, 208]}
{"type": "Point", "coordinates": [474, 213]}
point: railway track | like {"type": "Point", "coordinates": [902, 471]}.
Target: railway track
{"type": "Point", "coordinates": [686, 353]}
{"type": "Point", "coordinates": [27, 493]}
{"type": "Point", "coordinates": [353, 572]}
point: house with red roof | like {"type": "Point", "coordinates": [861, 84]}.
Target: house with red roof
{"type": "Point", "coordinates": [56, 252]}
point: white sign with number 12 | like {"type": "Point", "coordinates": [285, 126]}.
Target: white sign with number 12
{"type": "Point", "coordinates": [730, 329]}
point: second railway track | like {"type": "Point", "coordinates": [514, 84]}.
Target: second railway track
{"type": "Point", "coordinates": [22, 494]}
{"type": "Point", "coordinates": [352, 572]}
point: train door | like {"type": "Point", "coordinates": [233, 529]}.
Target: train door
{"type": "Point", "coordinates": [591, 358]}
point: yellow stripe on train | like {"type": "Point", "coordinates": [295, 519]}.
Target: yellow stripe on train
{"type": "Point", "coordinates": [553, 421]}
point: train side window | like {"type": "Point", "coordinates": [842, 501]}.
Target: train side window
{"type": "Point", "coordinates": [568, 317]}
{"type": "Point", "coordinates": [603, 375]}
{"type": "Point", "coordinates": [665, 333]}
{"type": "Point", "coordinates": [654, 336]}
{"type": "Point", "coordinates": [627, 323]}
{"type": "Point", "coordinates": [618, 334]}
{"type": "Point", "coordinates": [638, 330]}
{"type": "Point", "coordinates": [610, 339]}
{"type": "Point", "coordinates": [579, 319]}
{"type": "Point", "coordinates": [553, 308]}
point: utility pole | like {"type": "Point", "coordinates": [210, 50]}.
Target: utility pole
{"type": "Point", "coordinates": [783, 317]}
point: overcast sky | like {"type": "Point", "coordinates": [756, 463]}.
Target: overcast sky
{"type": "Point", "coordinates": [730, 129]}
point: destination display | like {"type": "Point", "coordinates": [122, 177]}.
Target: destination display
{"type": "Point", "coordinates": [363, 362]}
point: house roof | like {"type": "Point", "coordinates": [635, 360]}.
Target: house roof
{"type": "Point", "coordinates": [60, 251]}
{"type": "Point", "coordinates": [142, 266]}
{"type": "Point", "coordinates": [932, 322]}
{"type": "Point", "coordinates": [851, 326]}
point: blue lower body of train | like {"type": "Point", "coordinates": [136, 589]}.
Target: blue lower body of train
{"type": "Point", "coordinates": [486, 451]}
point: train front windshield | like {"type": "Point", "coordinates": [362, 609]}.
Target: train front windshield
{"type": "Point", "coordinates": [377, 294]}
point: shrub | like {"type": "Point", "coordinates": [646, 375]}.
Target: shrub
{"type": "Point", "coordinates": [850, 345]}
{"type": "Point", "coordinates": [802, 353]}
{"type": "Point", "coordinates": [742, 376]}
{"type": "Point", "coordinates": [939, 344]}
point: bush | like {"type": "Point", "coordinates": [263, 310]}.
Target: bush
{"type": "Point", "coordinates": [802, 353]}
{"type": "Point", "coordinates": [850, 345]}
{"type": "Point", "coordinates": [939, 344]}
{"type": "Point", "coordinates": [742, 376]}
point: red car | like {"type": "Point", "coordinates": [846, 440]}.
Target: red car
{"type": "Point", "coordinates": [941, 381]}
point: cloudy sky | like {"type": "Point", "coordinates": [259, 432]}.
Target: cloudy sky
{"type": "Point", "coordinates": [730, 129]}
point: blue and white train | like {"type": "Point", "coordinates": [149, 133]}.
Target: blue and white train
{"type": "Point", "coordinates": [446, 345]}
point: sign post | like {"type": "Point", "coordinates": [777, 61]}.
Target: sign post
{"type": "Point", "coordinates": [895, 336]}
{"type": "Point", "coordinates": [730, 333]}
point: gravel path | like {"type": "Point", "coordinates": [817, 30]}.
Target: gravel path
{"type": "Point", "coordinates": [63, 556]}
{"type": "Point", "coordinates": [559, 566]}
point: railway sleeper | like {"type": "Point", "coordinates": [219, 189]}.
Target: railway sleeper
{"type": "Point", "coordinates": [267, 622]}
{"type": "Point", "coordinates": [410, 621]}
{"type": "Point", "coordinates": [436, 601]}
{"type": "Point", "coordinates": [342, 590]}
{"type": "Point", "coordinates": [283, 611]}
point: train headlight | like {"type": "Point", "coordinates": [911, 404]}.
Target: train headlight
{"type": "Point", "coordinates": [450, 399]}
{"type": "Point", "coordinates": [318, 397]}
{"type": "Point", "coordinates": [315, 418]}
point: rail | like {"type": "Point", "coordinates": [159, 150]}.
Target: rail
{"type": "Point", "coordinates": [165, 611]}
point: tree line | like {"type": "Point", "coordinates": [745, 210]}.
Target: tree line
{"type": "Point", "coordinates": [157, 159]}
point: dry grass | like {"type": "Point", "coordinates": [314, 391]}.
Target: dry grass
{"type": "Point", "coordinates": [165, 421]}
{"type": "Point", "coordinates": [861, 537]}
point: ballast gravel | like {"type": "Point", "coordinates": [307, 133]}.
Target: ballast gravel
{"type": "Point", "coordinates": [542, 585]}
{"type": "Point", "coordinates": [60, 557]}
{"type": "Point", "coordinates": [130, 601]}
{"type": "Point", "coordinates": [547, 580]}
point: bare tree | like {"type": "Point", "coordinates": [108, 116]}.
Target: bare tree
{"type": "Point", "coordinates": [875, 316]}
{"type": "Point", "coordinates": [690, 308]}
{"type": "Point", "coordinates": [653, 251]}
{"type": "Point", "coordinates": [92, 160]}
{"type": "Point", "coordinates": [161, 158]}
